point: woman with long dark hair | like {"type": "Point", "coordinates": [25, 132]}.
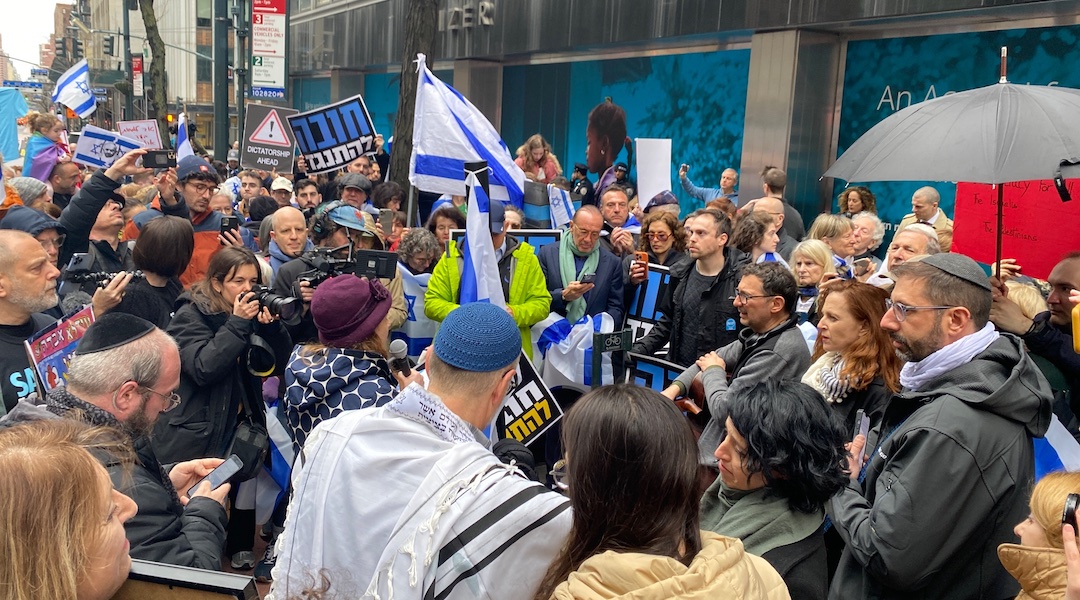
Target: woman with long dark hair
{"type": "Point", "coordinates": [226, 340]}
{"type": "Point", "coordinates": [781, 458]}
{"type": "Point", "coordinates": [631, 473]}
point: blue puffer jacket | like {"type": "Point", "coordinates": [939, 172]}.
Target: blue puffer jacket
{"type": "Point", "coordinates": [322, 383]}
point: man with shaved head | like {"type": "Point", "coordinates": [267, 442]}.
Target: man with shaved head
{"type": "Point", "coordinates": [27, 288]}
{"type": "Point", "coordinates": [925, 209]}
{"type": "Point", "coordinates": [288, 238]}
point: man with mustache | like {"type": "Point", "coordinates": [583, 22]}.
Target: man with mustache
{"type": "Point", "coordinates": [950, 465]}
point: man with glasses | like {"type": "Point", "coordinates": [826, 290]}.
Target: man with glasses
{"type": "Point", "coordinates": [699, 315]}
{"type": "Point", "coordinates": [124, 374]}
{"type": "Point", "coordinates": [584, 278]}
{"type": "Point", "coordinates": [951, 464]}
{"type": "Point", "coordinates": [770, 347]}
{"type": "Point", "coordinates": [186, 192]}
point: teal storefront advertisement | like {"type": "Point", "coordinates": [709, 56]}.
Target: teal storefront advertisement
{"type": "Point", "coordinates": [884, 76]}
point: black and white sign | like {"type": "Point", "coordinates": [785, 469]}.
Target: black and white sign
{"type": "Point", "coordinates": [268, 140]}
{"type": "Point", "coordinates": [333, 136]}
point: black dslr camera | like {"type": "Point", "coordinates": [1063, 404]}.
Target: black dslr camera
{"type": "Point", "coordinates": [286, 308]}
{"type": "Point", "coordinates": [77, 272]}
{"type": "Point", "coordinates": [373, 264]}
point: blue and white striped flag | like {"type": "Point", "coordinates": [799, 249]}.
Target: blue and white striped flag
{"type": "Point", "coordinates": [1058, 450]}
{"type": "Point", "coordinates": [562, 210]}
{"type": "Point", "coordinates": [448, 131]}
{"type": "Point", "coordinates": [73, 90]}
{"type": "Point", "coordinates": [418, 331]}
{"type": "Point", "coordinates": [183, 144]}
{"type": "Point", "coordinates": [480, 272]}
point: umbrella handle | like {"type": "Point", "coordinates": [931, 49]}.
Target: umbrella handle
{"type": "Point", "coordinates": [1004, 59]}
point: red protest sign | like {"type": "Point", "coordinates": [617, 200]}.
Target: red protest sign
{"type": "Point", "coordinates": [1038, 227]}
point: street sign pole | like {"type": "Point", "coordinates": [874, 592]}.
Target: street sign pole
{"type": "Point", "coordinates": [129, 100]}
{"type": "Point", "coordinates": [221, 79]}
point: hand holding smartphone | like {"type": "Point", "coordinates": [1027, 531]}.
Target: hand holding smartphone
{"type": "Point", "coordinates": [862, 424]}
{"type": "Point", "coordinates": [588, 278]}
{"type": "Point", "coordinates": [220, 475]}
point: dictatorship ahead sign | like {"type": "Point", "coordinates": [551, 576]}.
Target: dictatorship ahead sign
{"type": "Point", "coordinates": [268, 141]}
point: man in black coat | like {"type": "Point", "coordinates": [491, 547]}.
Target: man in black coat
{"type": "Point", "coordinates": [124, 374]}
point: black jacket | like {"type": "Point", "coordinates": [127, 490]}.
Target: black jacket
{"type": "Point", "coordinates": [947, 484]}
{"type": "Point", "coordinates": [163, 530]}
{"type": "Point", "coordinates": [213, 380]}
{"type": "Point", "coordinates": [718, 318]}
{"type": "Point", "coordinates": [79, 216]}
{"type": "Point", "coordinates": [802, 566]}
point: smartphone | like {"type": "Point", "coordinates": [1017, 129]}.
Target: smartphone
{"type": "Point", "coordinates": [642, 257]}
{"type": "Point", "coordinates": [588, 278]}
{"type": "Point", "coordinates": [229, 223]}
{"type": "Point", "coordinates": [862, 266]}
{"type": "Point", "coordinates": [862, 424]}
{"type": "Point", "coordinates": [159, 159]}
{"type": "Point", "coordinates": [1068, 515]}
{"type": "Point", "coordinates": [220, 475]}
{"type": "Point", "coordinates": [684, 167]}
{"type": "Point", "coordinates": [386, 221]}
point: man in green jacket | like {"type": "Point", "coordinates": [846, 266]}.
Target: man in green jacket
{"type": "Point", "coordinates": [524, 287]}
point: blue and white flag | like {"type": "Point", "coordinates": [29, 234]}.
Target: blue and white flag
{"type": "Point", "coordinates": [183, 144]}
{"type": "Point", "coordinates": [418, 331]}
{"type": "Point", "coordinates": [1058, 450]}
{"type": "Point", "coordinates": [100, 148]}
{"type": "Point", "coordinates": [73, 90]}
{"type": "Point", "coordinates": [448, 131]}
{"type": "Point", "coordinates": [480, 272]}
{"type": "Point", "coordinates": [567, 350]}
{"type": "Point", "coordinates": [562, 210]}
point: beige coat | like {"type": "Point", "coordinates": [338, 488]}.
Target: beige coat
{"type": "Point", "coordinates": [943, 226]}
{"type": "Point", "coordinates": [1040, 571]}
{"type": "Point", "coordinates": [721, 570]}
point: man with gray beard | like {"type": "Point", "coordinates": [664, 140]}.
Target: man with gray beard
{"type": "Point", "coordinates": [27, 287]}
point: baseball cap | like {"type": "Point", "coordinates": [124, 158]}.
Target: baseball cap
{"type": "Point", "coordinates": [347, 216]}
{"type": "Point", "coordinates": [281, 184]}
{"type": "Point", "coordinates": [234, 154]}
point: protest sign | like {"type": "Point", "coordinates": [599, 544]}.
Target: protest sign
{"type": "Point", "coordinates": [51, 348]}
{"type": "Point", "coordinates": [333, 136]}
{"type": "Point", "coordinates": [145, 131]}
{"type": "Point", "coordinates": [653, 160]}
{"type": "Point", "coordinates": [268, 140]}
{"type": "Point", "coordinates": [530, 408]}
{"type": "Point", "coordinates": [644, 313]}
{"type": "Point", "coordinates": [100, 148]}
{"type": "Point", "coordinates": [1038, 227]}
{"type": "Point", "coordinates": [651, 372]}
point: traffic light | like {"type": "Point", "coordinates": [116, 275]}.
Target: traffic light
{"type": "Point", "coordinates": [77, 50]}
{"type": "Point", "coordinates": [109, 45]}
{"type": "Point", "coordinates": [170, 117]}
{"type": "Point", "coordinates": [61, 48]}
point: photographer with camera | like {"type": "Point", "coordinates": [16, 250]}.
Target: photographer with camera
{"type": "Point", "coordinates": [228, 342]}
{"type": "Point", "coordinates": [337, 230]}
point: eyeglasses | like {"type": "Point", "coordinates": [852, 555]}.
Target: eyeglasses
{"type": "Point", "coordinates": [56, 243]}
{"type": "Point", "coordinates": [589, 235]}
{"type": "Point", "coordinates": [660, 237]}
{"type": "Point", "coordinates": [558, 474]}
{"type": "Point", "coordinates": [201, 189]}
{"type": "Point", "coordinates": [747, 297]}
{"type": "Point", "coordinates": [172, 399]}
{"type": "Point", "coordinates": [901, 310]}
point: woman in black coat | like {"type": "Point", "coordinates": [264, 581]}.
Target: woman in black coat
{"type": "Point", "coordinates": [215, 326]}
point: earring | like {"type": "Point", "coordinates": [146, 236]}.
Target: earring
{"type": "Point", "coordinates": [603, 152]}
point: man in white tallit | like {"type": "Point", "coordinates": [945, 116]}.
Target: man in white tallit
{"type": "Point", "coordinates": [407, 501]}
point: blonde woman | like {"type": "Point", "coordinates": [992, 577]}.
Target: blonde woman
{"type": "Point", "coordinates": [535, 158]}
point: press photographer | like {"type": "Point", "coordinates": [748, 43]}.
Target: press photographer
{"type": "Point", "coordinates": [341, 233]}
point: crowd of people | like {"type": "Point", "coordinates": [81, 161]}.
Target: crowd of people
{"type": "Point", "coordinates": [865, 416]}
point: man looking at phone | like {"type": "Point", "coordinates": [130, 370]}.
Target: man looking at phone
{"type": "Point", "coordinates": [584, 279]}
{"type": "Point", "coordinates": [186, 192]}
{"type": "Point", "coordinates": [700, 315]}
{"type": "Point", "coordinates": [124, 374]}
{"type": "Point", "coordinates": [524, 288]}
{"type": "Point", "coordinates": [951, 463]}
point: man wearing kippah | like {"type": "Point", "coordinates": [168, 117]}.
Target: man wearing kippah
{"type": "Point", "coordinates": [407, 501]}
{"type": "Point", "coordinates": [951, 464]}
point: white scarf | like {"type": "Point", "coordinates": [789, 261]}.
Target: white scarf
{"type": "Point", "coordinates": [915, 375]}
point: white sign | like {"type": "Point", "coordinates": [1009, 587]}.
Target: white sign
{"type": "Point", "coordinates": [653, 160]}
{"type": "Point", "coordinates": [146, 132]}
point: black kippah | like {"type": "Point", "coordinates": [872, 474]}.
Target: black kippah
{"type": "Point", "coordinates": [111, 331]}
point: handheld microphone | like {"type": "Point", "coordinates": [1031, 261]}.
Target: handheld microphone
{"type": "Point", "coordinates": [399, 360]}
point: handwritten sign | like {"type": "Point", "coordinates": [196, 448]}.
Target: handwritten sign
{"type": "Point", "coordinates": [51, 348]}
{"type": "Point", "coordinates": [1038, 227]}
{"type": "Point", "coordinates": [145, 131]}
{"type": "Point", "coordinates": [333, 136]}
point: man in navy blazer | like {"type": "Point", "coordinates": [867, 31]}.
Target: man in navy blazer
{"type": "Point", "coordinates": [605, 293]}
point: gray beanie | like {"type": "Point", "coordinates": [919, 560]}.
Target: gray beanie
{"type": "Point", "coordinates": [28, 188]}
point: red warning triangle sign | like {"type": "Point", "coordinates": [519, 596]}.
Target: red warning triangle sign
{"type": "Point", "coordinates": [271, 132]}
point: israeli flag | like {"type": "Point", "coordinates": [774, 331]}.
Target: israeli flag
{"type": "Point", "coordinates": [480, 272]}
{"type": "Point", "coordinates": [1058, 450]}
{"type": "Point", "coordinates": [183, 144]}
{"type": "Point", "coordinates": [418, 331]}
{"type": "Point", "coordinates": [562, 210]}
{"type": "Point", "coordinates": [73, 90]}
{"type": "Point", "coordinates": [567, 353]}
{"type": "Point", "coordinates": [269, 485]}
{"type": "Point", "coordinates": [448, 131]}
